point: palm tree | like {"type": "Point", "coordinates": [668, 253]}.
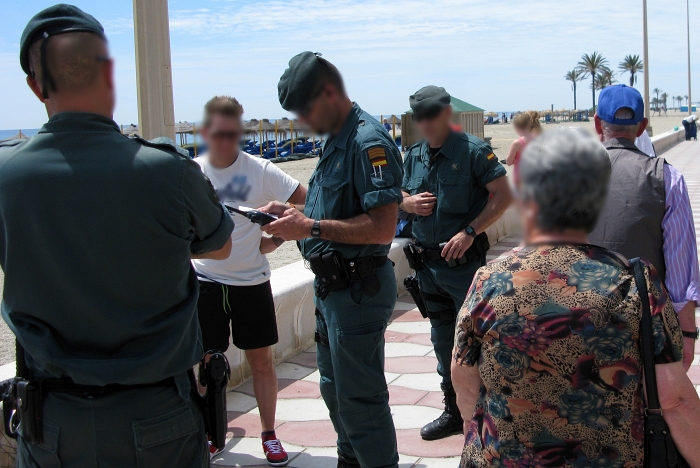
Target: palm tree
{"type": "Point", "coordinates": [591, 65]}
{"type": "Point", "coordinates": [664, 100]}
{"type": "Point", "coordinates": [686, 100]}
{"type": "Point", "coordinates": [605, 78]}
{"type": "Point", "coordinates": [574, 76]}
{"type": "Point", "coordinates": [655, 105]}
{"type": "Point", "coordinates": [632, 64]}
{"type": "Point", "coordinates": [656, 91]}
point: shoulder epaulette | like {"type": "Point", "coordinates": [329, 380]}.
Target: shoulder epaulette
{"type": "Point", "coordinates": [162, 143]}
{"type": "Point", "coordinates": [11, 143]}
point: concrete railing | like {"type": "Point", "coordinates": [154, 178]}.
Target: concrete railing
{"type": "Point", "coordinates": [292, 286]}
{"type": "Point", "coordinates": [665, 141]}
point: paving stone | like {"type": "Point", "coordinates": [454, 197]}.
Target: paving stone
{"type": "Point", "coordinates": [410, 364]}
{"type": "Point", "coordinates": [300, 409]}
{"type": "Point", "coordinates": [390, 377]}
{"type": "Point", "coordinates": [406, 303]}
{"type": "Point", "coordinates": [413, 416]}
{"type": "Point", "coordinates": [299, 389]}
{"type": "Point", "coordinates": [304, 359]}
{"type": "Point", "coordinates": [244, 425]}
{"type": "Point", "coordinates": [288, 370]}
{"type": "Point", "coordinates": [247, 452]}
{"type": "Point", "coordinates": [315, 376]}
{"type": "Point", "coordinates": [410, 443]}
{"type": "Point", "coordinates": [308, 433]}
{"type": "Point", "coordinates": [694, 374]}
{"type": "Point", "coordinates": [408, 316]}
{"type": "Point", "coordinates": [391, 336]}
{"type": "Point", "coordinates": [433, 399]}
{"type": "Point", "coordinates": [240, 402]}
{"type": "Point", "coordinates": [282, 384]}
{"type": "Point", "coordinates": [324, 457]}
{"type": "Point", "coordinates": [406, 349]}
{"type": "Point", "coordinates": [452, 462]}
{"type": "Point", "coordinates": [404, 396]}
{"type": "Point", "coordinates": [428, 382]}
{"type": "Point", "coordinates": [410, 327]}
{"type": "Point", "coordinates": [420, 338]}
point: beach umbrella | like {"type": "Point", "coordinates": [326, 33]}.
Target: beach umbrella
{"type": "Point", "coordinates": [184, 127]}
{"type": "Point", "coordinates": [491, 114]}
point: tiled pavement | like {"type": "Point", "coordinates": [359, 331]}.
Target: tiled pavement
{"type": "Point", "coordinates": [302, 418]}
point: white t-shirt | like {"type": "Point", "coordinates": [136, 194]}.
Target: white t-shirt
{"type": "Point", "coordinates": [644, 144]}
{"type": "Point", "coordinates": [249, 182]}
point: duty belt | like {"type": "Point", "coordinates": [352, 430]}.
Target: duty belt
{"type": "Point", "coordinates": [66, 385]}
{"type": "Point", "coordinates": [333, 272]}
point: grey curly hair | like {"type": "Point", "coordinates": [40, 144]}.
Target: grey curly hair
{"type": "Point", "coordinates": [566, 173]}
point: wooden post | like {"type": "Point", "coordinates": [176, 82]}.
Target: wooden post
{"type": "Point", "coordinates": [291, 134]}
{"type": "Point", "coordinates": [276, 140]}
{"type": "Point", "coordinates": [393, 126]}
{"type": "Point", "coordinates": [194, 138]}
{"type": "Point", "coordinates": [261, 138]}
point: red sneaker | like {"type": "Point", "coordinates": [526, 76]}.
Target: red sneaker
{"type": "Point", "coordinates": [213, 451]}
{"type": "Point", "coordinates": [274, 452]}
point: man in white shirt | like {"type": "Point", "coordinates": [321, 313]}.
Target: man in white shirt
{"type": "Point", "coordinates": [237, 290]}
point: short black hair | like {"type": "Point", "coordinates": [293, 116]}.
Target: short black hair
{"type": "Point", "coordinates": [328, 74]}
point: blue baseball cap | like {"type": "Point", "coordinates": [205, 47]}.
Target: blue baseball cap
{"type": "Point", "coordinates": [616, 97]}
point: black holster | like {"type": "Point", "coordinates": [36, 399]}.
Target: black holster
{"type": "Point", "coordinates": [333, 272]}
{"type": "Point", "coordinates": [415, 260]}
{"type": "Point", "coordinates": [214, 375]}
{"type": "Point", "coordinates": [23, 402]}
{"type": "Point", "coordinates": [413, 287]}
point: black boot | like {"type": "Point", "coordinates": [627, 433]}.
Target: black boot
{"type": "Point", "coordinates": [347, 462]}
{"type": "Point", "coordinates": [450, 421]}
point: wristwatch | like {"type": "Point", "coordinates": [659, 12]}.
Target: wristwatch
{"type": "Point", "coordinates": [316, 229]}
{"type": "Point", "coordinates": [695, 335]}
{"type": "Point", "coordinates": [470, 231]}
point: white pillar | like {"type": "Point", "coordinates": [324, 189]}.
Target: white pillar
{"type": "Point", "coordinates": [647, 104]}
{"type": "Point", "coordinates": [154, 79]}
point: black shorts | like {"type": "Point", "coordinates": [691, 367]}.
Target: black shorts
{"type": "Point", "coordinates": [250, 310]}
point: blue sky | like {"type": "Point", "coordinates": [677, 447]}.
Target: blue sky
{"type": "Point", "coordinates": [496, 54]}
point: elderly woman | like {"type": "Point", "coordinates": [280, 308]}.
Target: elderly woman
{"type": "Point", "coordinates": [547, 354]}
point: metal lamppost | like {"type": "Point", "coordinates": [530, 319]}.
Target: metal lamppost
{"type": "Point", "coordinates": [690, 97]}
{"type": "Point", "coordinates": [647, 105]}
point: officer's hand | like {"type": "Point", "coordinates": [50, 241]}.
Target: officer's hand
{"type": "Point", "coordinates": [275, 208]}
{"type": "Point", "coordinates": [421, 204]}
{"type": "Point", "coordinates": [291, 226]}
{"type": "Point", "coordinates": [457, 246]}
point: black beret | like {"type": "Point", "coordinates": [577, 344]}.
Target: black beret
{"type": "Point", "coordinates": [429, 100]}
{"type": "Point", "coordinates": [299, 81]}
{"type": "Point", "coordinates": [54, 20]}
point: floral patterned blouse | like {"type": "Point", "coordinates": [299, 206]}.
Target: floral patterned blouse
{"type": "Point", "coordinates": [554, 331]}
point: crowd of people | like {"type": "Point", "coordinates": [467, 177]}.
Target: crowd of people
{"type": "Point", "coordinates": [125, 260]}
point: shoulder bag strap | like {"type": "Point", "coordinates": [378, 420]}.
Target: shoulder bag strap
{"type": "Point", "coordinates": [647, 337]}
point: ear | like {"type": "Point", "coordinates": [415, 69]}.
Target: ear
{"type": "Point", "coordinates": [642, 126]}
{"type": "Point", "coordinates": [108, 74]}
{"type": "Point", "coordinates": [598, 125]}
{"type": "Point", "coordinates": [36, 89]}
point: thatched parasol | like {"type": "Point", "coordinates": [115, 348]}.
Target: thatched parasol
{"type": "Point", "coordinates": [183, 127]}
{"type": "Point", "coordinates": [19, 136]}
{"type": "Point", "coordinates": [491, 114]}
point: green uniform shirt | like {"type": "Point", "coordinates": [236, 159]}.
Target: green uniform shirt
{"type": "Point", "coordinates": [97, 232]}
{"type": "Point", "coordinates": [360, 169]}
{"type": "Point", "coordinates": [457, 177]}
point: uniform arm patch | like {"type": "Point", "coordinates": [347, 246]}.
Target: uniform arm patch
{"type": "Point", "coordinates": [377, 157]}
{"type": "Point", "coordinates": [491, 156]}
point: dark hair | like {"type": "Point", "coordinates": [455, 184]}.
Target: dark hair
{"type": "Point", "coordinates": [328, 74]}
{"type": "Point", "coordinates": [74, 64]}
{"type": "Point", "coordinates": [223, 105]}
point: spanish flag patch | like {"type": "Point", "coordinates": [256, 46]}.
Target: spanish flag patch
{"type": "Point", "coordinates": [491, 157]}
{"type": "Point", "coordinates": [377, 156]}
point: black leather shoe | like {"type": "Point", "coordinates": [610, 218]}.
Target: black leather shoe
{"type": "Point", "coordinates": [347, 462]}
{"type": "Point", "coordinates": [450, 421]}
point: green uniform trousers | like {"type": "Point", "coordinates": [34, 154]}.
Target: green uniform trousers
{"type": "Point", "coordinates": [147, 427]}
{"type": "Point", "coordinates": [351, 365]}
{"type": "Point", "coordinates": [437, 279]}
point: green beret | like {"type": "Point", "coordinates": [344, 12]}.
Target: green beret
{"type": "Point", "coordinates": [299, 81]}
{"type": "Point", "coordinates": [429, 100]}
{"type": "Point", "coordinates": [54, 20]}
